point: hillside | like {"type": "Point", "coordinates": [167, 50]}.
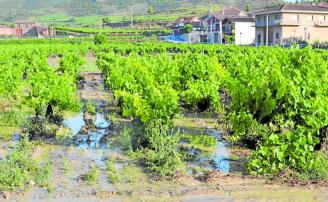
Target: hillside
{"type": "Point", "coordinates": [74, 10]}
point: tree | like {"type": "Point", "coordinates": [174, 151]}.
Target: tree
{"type": "Point", "coordinates": [187, 28]}
{"type": "Point", "coordinates": [247, 8]}
{"type": "Point", "coordinates": [150, 10]}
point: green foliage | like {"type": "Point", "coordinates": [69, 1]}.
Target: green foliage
{"type": "Point", "coordinates": [202, 142]}
{"type": "Point", "coordinates": [159, 151]}
{"type": "Point", "coordinates": [124, 140]}
{"type": "Point", "coordinates": [100, 39]}
{"type": "Point", "coordinates": [92, 176]}
{"type": "Point", "coordinates": [90, 107]}
{"type": "Point", "coordinates": [113, 174]}
{"type": "Point", "coordinates": [187, 28]}
{"type": "Point", "coordinates": [19, 169]}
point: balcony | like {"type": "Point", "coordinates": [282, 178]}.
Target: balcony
{"type": "Point", "coordinates": [280, 22]}
{"type": "Point", "coordinates": [321, 23]}
{"type": "Point", "coordinates": [287, 22]}
{"type": "Point", "coordinates": [227, 30]}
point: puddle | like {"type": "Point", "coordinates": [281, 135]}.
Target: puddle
{"type": "Point", "coordinates": [75, 123]}
{"type": "Point", "coordinates": [221, 155]}
{"type": "Point", "coordinates": [217, 158]}
{"type": "Point", "coordinates": [88, 139]}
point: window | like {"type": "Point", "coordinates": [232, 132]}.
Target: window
{"type": "Point", "coordinates": [259, 38]}
{"type": "Point", "coordinates": [277, 35]}
{"type": "Point", "coordinates": [276, 17]}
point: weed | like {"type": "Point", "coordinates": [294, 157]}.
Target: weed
{"type": "Point", "coordinates": [123, 140]}
{"type": "Point", "coordinates": [113, 174]}
{"type": "Point", "coordinates": [67, 166]}
{"type": "Point", "coordinates": [159, 150]}
{"type": "Point", "coordinates": [19, 169]}
{"type": "Point", "coordinates": [92, 176]}
{"type": "Point", "coordinates": [234, 157]}
{"type": "Point", "coordinates": [202, 142]}
{"type": "Point", "coordinates": [91, 108]}
{"type": "Point", "coordinates": [114, 118]}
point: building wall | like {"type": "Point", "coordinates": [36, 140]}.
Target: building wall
{"type": "Point", "coordinates": [244, 33]}
{"type": "Point", "coordinates": [214, 37]}
{"type": "Point", "coordinates": [293, 27]}
{"type": "Point", "coordinates": [259, 36]}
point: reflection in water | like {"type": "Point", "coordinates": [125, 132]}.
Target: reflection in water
{"type": "Point", "coordinates": [92, 138]}
{"type": "Point", "coordinates": [219, 159]}
{"type": "Point", "coordinates": [75, 123]}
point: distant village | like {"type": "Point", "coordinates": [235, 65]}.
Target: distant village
{"type": "Point", "coordinates": [26, 29]}
{"type": "Point", "coordinates": [281, 25]}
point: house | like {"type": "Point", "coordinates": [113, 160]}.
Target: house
{"type": "Point", "coordinates": [178, 25]}
{"type": "Point", "coordinates": [230, 25]}
{"type": "Point", "coordinates": [7, 31]}
{"type": "Point", "coordinates": [179, 34]}
{"type": "Point", "coordinates": [26, 29]}
{"type": "Point", "coordinates": [292, 23]}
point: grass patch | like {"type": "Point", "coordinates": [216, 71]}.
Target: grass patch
{"type": "Point", "coordinates": [92, 176]}
{"type": "Point", "coordinates": [67, 166]}
{"type": "Point", "coordinates": [123, 140]}
{"type": "Point", "coordinates": [202, 142]}
{"type": "Point", "coordinates": [19, 171]}
{"type": "Point", "coordinates": [113, 174]}
{"type": "Point", "coordinates": [91, 108]}
{"type": "Point", "coordinates": [64, 134]}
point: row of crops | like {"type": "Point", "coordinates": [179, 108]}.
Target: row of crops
{"type": "Point", "coordinates": [28, 83]}
{"type": "Point", "coordinates": [273, 100]}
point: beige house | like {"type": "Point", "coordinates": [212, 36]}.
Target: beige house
{"type": "Point", "coordinates": [291, 23]}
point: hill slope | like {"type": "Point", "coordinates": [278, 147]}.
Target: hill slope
{"type": "Point", "coordinates": [83, 7]}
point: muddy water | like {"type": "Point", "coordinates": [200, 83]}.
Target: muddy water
{"type": "Point", "coordinates": [221, 155]}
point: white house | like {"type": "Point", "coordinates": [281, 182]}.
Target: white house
{"type": "Point", "coordinates": [230, 25]}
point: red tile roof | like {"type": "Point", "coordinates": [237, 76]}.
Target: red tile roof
{"type": "Point", "coordinates": [4, 26]}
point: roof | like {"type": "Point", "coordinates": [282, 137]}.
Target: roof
{"type": "Point", "coordinates": [186, 19]}
{"type": "Point", "coordinates": [4, 26]}
{"type": "Point", "coordinates": [295, 7]}
{"type": "Point", "coordinates": [40, 28]}
{"type": "Point", "coordinates": [24, 22]}
{"type": "Point", "coordinates": [230, 11]}
{"type": "Point", "coordinates": [232, 14]}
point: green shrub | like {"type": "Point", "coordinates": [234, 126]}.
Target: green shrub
{"type": "Point", "coordinates": [100, 39]}
{"type": "Point", "coordinates": [161, 154]}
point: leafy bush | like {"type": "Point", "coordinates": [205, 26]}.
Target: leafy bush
{"type": "Point", "coordinates": [187, 29]}
{"type": "Point", "coordinates": [100, 39]}
{"type": "Point", "coordinates": [160, 151]}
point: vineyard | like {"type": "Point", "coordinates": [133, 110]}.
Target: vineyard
{"type": "Point", "coordinates": [269, 104]}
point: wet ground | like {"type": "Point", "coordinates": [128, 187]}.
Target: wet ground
{"type": "Point", "coordinates": [82, 143]}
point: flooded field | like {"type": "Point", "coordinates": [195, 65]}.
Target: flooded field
{"type": "Point", "coordinates": [83, 146]}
